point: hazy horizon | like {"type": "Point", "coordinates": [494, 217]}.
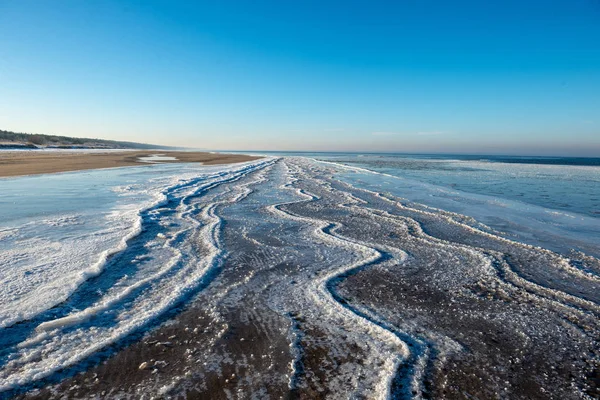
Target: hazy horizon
{"type": "Point", "coordinates": [415, 77]}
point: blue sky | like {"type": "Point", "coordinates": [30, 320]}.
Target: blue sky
{"type": "Point", "coordinates": [511, 77]}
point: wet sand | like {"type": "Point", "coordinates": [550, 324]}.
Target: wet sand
{"type": "Point", "coordinates": [466, 314]}
{"type": "Point", "coordinates": [18, 163]}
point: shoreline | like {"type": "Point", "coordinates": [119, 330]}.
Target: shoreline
{"type": "Point", "coordinates": [21, 163]}
{"type": "Point", "coordinates": [272, 316]}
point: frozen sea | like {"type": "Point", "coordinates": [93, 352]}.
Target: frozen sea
{"type": "Point", "coordinates": [549, 201]}
{"type": "Point", "coordinates": [89, 259]}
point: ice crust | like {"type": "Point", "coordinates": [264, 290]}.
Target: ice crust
{"type": "Point", "coordinates": [52, 345]}
{"type": "Point", "coordinates": [340, 272]}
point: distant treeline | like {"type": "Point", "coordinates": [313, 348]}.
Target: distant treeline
{"type": "Point", "coordinates": [64, 141]}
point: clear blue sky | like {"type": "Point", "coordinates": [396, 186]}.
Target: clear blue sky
{"type": "Point", "coordinates": [513, 77]}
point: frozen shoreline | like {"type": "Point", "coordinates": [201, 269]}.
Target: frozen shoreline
{"type": "Point", "coordinates": [292, 280]}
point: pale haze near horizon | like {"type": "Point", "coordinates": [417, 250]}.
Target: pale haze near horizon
{"type": "Point", "coordinates": [424, 76]}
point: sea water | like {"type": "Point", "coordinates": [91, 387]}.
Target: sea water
{"type": "Point", "coordinates": [553, 202]}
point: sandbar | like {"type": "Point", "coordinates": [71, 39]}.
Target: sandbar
{"type": "Point", "coordinates": [18, 163]}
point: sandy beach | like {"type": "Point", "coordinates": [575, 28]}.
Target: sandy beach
{"type": "Point", "coordinates": [18, 163]}
{"type": "Point", "coordinates": [299, 200]}
{"type": "Point", "coordinates": [279, 279]}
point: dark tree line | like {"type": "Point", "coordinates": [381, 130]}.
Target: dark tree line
{"type": "Point", "coordinates": [8, 136]}
{"type": "Point", "coordinates": [53, 140]}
